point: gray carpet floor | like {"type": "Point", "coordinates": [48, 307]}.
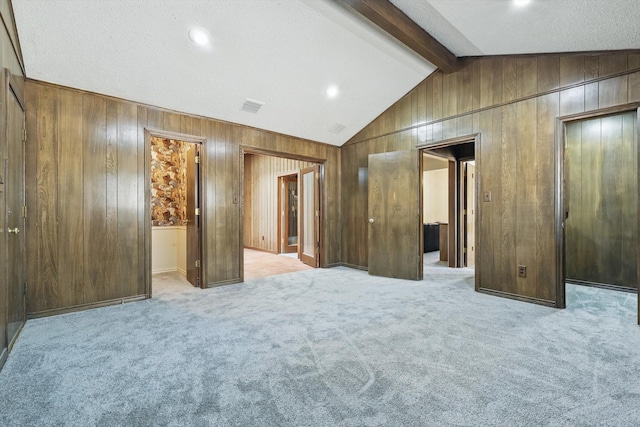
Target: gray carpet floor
{"type": "Point", "coordinates": [330, 348]}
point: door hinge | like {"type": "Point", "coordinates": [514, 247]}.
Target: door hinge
{"type": "Point", "coordinates": [24, 212]}
{"type": "Point", "coordinates": [24, 134]}
{"type": "Point", "coordinates": [317, 212]}
{"type": "Point", "coordinates": [197, 263]}
{"type": "Point", "coordinates": [197, 211]}
{"type": "Point", "coordinates": [197, 159]}
{"type": "Point", "coordinates": [317, 175]}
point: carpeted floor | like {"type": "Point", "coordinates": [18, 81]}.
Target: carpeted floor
{"type": "Point", "coordinates": [331, 347]}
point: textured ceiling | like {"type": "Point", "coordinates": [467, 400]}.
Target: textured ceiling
{"type": "Point", "coordinates": [498, 27]}
{"type": "Point", "coordinates": [282, 52]}
{"type": "Point", "coordinates": [287, 52]}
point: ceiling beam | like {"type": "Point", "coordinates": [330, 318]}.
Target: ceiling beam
{"type": "Point", "coordinates": [391, 19]}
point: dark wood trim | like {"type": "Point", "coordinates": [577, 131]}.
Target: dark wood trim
{"type": "Point", "coordinates": [13, 86]}
{"type": "Point", "coordinates": [355, 267]}
{"type": "Point", "coordinates": [3, 357]}
{"type": "Point", "coordinates": [82, 307]}
{"type": "Point", "coordinates": [452, 202]}
{"type": "Point", "coordinates": [150, 133]}
{"type": "Point", "coordinates": [392, 20]}
{"type": "Point", "coordinates": [225, 282]}
{"type": "Point", "coordinates": [561, 124]}
{"type": "Point", "coordinates": [273, 153]}
{"type": "Point", "coordinates": [602, 112]}
{"type": "Point", "coordinates": [15, 337]}
{"type": "Point", "coordinates": [499, 105]}
{"type": "Point", "coordinates": [602, 286]}
{"type": "Point", "coordinates": [335, 264]}
{"type": "Point", "coordinates": [449, 142]}
{"type": "Point", "coordinates": [517, 297]}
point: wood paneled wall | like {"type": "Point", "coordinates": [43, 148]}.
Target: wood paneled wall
{"type": "Point", "coordinates": [85, 191]}
{"type": "Point", "coordinates": [601, 159]}
{"type": "Point", "coordinates": [10, 59]}
{"type": "Point", "coordinates": [261, 198]}
{"type": "Point", "coordinates": [512, 102]}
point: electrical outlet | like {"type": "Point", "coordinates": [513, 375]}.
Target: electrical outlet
{"type": "Point", "coordinates": [522, 271]}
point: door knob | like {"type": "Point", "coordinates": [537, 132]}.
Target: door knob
{"type": "Point", "coordinates": [13, 230]}
{"type": "Point", "coordinates": [371, 220]}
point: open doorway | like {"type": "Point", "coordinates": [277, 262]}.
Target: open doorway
{"type": "Point", "coordinates": [598, 201]}
{"type": "Point", "coordinates": [175, 197]}
{"type": "Point", "coordinates": [449, 184]}
{"type": "Point", "coordinates": [435, 209]}
{"type": "Point", "coordinates": [281, 215]}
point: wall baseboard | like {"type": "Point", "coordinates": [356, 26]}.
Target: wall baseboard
{"type": "Point", "coordinates": [223, 283]}
{"type": "Point", "coordinates": [165, 270]}
{"type": "Point", "coordinates": [516, 297]}
{"type": "Point", "coordinates": [602, 285]}
{"type": "Point", "coordinates": [261, 250]}
{"type": "Point", "coordinates": [15, 338]}
{"type": "Point", "coordinates": [181, 271]}
{"type": "Point", "coordinates": [357, 267]}
{"type": "Point", "coordinates": [3, 357]}
{"type": "Point", "coordinates": [82, 307]}
{"type": "Point", "coordinates": [333, 264]}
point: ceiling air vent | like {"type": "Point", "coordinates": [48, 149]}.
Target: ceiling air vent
{"type": "Point", "coordinates": [337, 128]}
{"type": "Point", "coordinates": [251, 105]}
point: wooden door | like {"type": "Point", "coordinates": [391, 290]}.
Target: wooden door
{"type": "Point", "coordinates": [309, 222]}
{"type": "Point", "coordinates": [194, 223]}
{"type": "Point", "coordinates": [15, 217]}
{"type": "Point", "coordinates": [601, 190]}
{"type": "Point", "coordinates": [395, 212]}
{"type": "Point", "coordinates": [470, 220]}
{"type": "Point", "coordinates": [289, 213]}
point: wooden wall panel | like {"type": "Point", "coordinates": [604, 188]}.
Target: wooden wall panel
{"type": "Point", "coordinates": [70, 192]}
{"type": "Point", "coordinates": [513, 102]}
{"type": "Point", "coordinates": [261, 198]}
{"type": "Point", "coordinates": [86, 188]}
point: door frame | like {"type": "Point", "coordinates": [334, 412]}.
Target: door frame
{"type": "Point", "coordinates": [560, 142]}
{"type": "Point", "coordinates": [282, 177]}
{"type": "Point", "coordinates": [447, 147]}
{"type": "Point", "coordinates": [247, 149]}
{"type": "Point", "coordinates": [150, 133]}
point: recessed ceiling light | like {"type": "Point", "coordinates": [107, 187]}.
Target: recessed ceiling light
{"type": "Point", "coordinates": [199, 36]}
{"type": "Point", "coordinates": [521, 3]}
{"type": "Point", "coordinates": [332, 91]}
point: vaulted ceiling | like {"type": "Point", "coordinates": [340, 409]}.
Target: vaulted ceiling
{"type": "Point", "coordinates": [288, 53]}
